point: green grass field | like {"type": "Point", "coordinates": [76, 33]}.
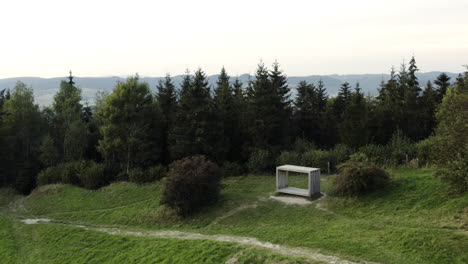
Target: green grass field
{"type": "Point", "coordinates": [411, 221]}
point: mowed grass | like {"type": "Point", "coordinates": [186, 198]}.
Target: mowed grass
{"type": "Point", "coordinates": [411, 221]}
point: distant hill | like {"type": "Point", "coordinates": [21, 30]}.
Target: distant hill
{"type": "Point", "coordinates": [45, 88]}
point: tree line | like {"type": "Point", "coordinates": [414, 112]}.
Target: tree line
{"type": "Point", "coordinates": [132, 128]}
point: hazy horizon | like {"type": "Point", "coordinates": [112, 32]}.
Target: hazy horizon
{"type": "Point", "coordinates": [120, 38]}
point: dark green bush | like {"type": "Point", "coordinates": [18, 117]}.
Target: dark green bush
{"type": "Point", "coordinates": [317, 159]}
{"type": "Point", "coordinates": [156, 173]}
{"type": "Point", "coordinates": [359, 157]}
{"type": "Point", "coordinates": [260, 161]}
{"type": "Point", "coordinates": [289, 157]}
{"type": "Point", "coordinates": [401, 149]}
{"type": "Point", "coordinates": [377, 154]}
{"type": "Point", "coordinates": [61, 173]}
{"type": "Point", "coordinates": [151, 174]}
{"type": "Point", "coordinates": [137, 175]}
{"type": "Point", "coordinates": [302, 145]}
{"type": "Point", "coordinates": [93, 175]}
{"type": "Point", "coordinates": [122, 176]}
{"type": "Point", "coordinates": [355, 178]}
{"type": "Point", "coordinates": [69, 171]}
{"type": "Point", "coordinates": [232, 169]}
{"type": "Point", "coordinates": [49, 175]}
{"type": "Point", "coordinates": [339, 154]}
{"type": "Point", "coordinates": [192, 183]}
{"type": "Point", "coordinates": [456, 175]}
{"type": "Point", "coordinates": [426, 150]}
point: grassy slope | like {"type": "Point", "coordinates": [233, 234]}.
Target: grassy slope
{"type": "Point", "coordinates": [21, 243]}
{"type": "Point", "coordinates": [412, 221]}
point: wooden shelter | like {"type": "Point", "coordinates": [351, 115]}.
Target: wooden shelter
{"type": "Point", "coordinates": [282, 173]}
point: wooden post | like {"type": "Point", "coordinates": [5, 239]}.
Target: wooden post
{"type": "Point", "coordinates": [328, 166]}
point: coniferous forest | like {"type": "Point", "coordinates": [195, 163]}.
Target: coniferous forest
{"type": "Point", "coordinates": [132, 134]}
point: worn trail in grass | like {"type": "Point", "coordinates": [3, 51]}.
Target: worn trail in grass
{"type": "Point", "coordinates": [304, 253]}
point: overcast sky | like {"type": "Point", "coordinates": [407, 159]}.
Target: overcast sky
{"type": "Point", "coordinates": [100, 38]}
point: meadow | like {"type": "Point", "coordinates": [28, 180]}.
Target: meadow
{"type": "Point", "coordinates": [413, 220]}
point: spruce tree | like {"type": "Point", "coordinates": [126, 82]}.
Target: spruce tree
{"type": "Point", "coordinates": [191, 134]}
{"type": "Point", "coordinates": [322, 96]}
{"type": "Point", "coordinates": [389, 110]}
{"type": "Point", "coordinates": [304, 115]}
{"type": "Point", "coordinates": [279, 84]}
{"type": "Point", "coordinates": [266, 110]}
{"type": "Point", "coordinates": [342, 100]}
{"type": "Point", "coordinates": [239, 136]}
{"type": "Point", "coordinates": [321, 103]}
{"type": "Point", "coordinates": [353, 128]}
{"type": "Point", "coordinates": [329, 126]}
{"type": "Point", "coordinates": [166, 97]}
{"type": "Point", "coordinates": [224, 114]}
{"type": "Point", "coordinates": [411, 120]}
{"type": "Point", "coordinates": [428, 107]}
{"type": "Point", "coordinates": [442, 82]}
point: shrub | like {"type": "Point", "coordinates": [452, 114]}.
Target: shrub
{"type": "Point", "coordinates": [456, 175]}
{"type": "Point", "coordinates": [260, 161]}
{"type": "Point", "coordinates": [156, 173]}
{"type": "Point", "coordinates": [93, 175]}
{"type": "Point", "coordinates": [425, 150]}
{"type": "Point", "coordinates": [61, 173]}
{"type": "Point", "coordinates": [302, 145]}
{"type": "Point", "coordinates": [355, 178]}
{"type": "Point", "coordinates": [69, 171]}
{"type": "Point", "coordinates": [136, 175]}
{"type": "Point", "coordinates": [317, 159]}
{"type": "Point", "coordinates": [122, 176]}
{"type": "Point", "coordinates": [151, 174]}
{"type": "Point", "coordinates": [287, 157]}
{"type": "Point", "coordinates": [401, 148]}
{"type": "Point", "coordinates": [192, 183]}
{"type": "Point", "coordinates": [378, 154]}
{"type": "Point", "coordinates": [232, 169]}
{"type": "Point", "coordinates": [359, 157]}
{"type": "Point", "coordinates": [339, 154]}
{"type": "Point", "coordinates": [49, 175]}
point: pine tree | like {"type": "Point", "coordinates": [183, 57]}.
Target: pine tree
{"type": "Point", "coordinates": [411, 120]}
{"type": "Point", "coordinates": [4, 95]}
{"type": "Point", "coordinates": [279, 83]}
{"type": "Point", "coordinates": [342, 100]}
{"type": "Point", "coordinates": [239, 136]}
{"type": "Point", "coordinates": [428, 107]}
{"type": "Point", "coordinates": [442, 82]}
{"type": "Point", "coordinates": [224, 113]}
{"type": "Point", "coordinates": [389, 110]}
{"type": "Point", "coordinates": [266, 112]}
{"type": "Point", "coordinates": [191, 134]}
{"type": "Point", "coordinates": [353, 129]}
{"type": "Point", "coordinates": [322, 96]}
{"type": "Point", "coordinates": [329, 125]}
{"type": "Point", "coordinates": [167, 100]}
{"type": "Point", "coordinates": [305, 115]}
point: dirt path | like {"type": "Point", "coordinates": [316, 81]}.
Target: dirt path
{"type": "Point", "coordinates": [305, 253]}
